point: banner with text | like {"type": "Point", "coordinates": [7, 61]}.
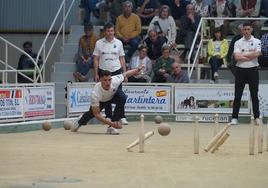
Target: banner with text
{"type": "Point", "coordinates": [263, 97]}
{"type": "Point", "coordinates": [11, 105]}
{"type": "Point", "coordinates": [79, 98]}
{"type": "Point", "coordinates": [39, 102]}
{"type": "Point", "coordinates": [148, 98]}
{"type": "Point", "coordinates": [205, 99]}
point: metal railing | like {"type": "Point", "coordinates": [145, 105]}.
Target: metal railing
{"type": "Point", "coordinates": [197, 46]}
{"type": "Point", "coordinates": [45, 53]}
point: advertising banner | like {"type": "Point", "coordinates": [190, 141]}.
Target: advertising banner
{"type": "Point", "coordinates": [205, 99]}
{"type": "Point", "coordinates": [39, 102]}
{"type": "Point", "coordinates": [263, 97]}
{"type": "Point", "coordinates": [11, 105]}
{"type": "Point", "coordinates": [79, 98]}
{"type": "Point", "coordinates": [148, 98]}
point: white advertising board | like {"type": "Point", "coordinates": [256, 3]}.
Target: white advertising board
{"type": "Point", "coordinates": [148, 98]}
{"type": "Point", "coordinates": [208, 99]}
{"type": "Point", "coordinates": [11, 105]}
{"type": "Point", "coordinates": [79, 98]}
{"type": "Point", "coordinates": [263, 99]}
{"type": "Point", "coordinates": [39, 102]}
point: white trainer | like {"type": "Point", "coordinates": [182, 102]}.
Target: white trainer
{"type": "Point", "coordinates": [75, 125]}
{"type": "Point", "coordinates": [112, 131]}
{"type": "Point", "coordinates": [257, 121]}
{"type": "Point", "coordinates": [216, 75]}
{"type": "Point", "coordinates": [233, 122]}
{"type": "Point", "coordinates": [124, 121]}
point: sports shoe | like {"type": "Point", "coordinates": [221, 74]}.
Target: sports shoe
{"type": "Point", "coordinates": [233, 122]}
{"type": "Point", "coordinates": [216, 75]}
{"type": "Point", "coordinates": [212, 82]}
{"type": "Point", "coordinates": [257, 121]}
{"type": "Point", "coordinates": [124, 121]}
{"type": "Point", "coordinates": [75, 125]}
{"type": "Point", "coordinates": [112, 131]}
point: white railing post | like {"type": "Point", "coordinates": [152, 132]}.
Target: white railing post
{"type": "Point", "coordinates": [63, 27]}
{"type": "Point", "coordinates": [6, 60]}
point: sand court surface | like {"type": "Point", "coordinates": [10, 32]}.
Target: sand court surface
{"type": "Point", "coordinates": [59, 158]}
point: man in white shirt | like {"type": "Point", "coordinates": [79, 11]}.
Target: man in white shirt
{"type": "Point", "coordinates": [246, 53]}
{"type": "Point", "coordinates": [104, 93]}
{"type": "Point", "coordinates": [109, 55]}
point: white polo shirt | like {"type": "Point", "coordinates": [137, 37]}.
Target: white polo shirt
{"type": "Point", "coordinates": [99, 94]}
{"type": "Point", "coordinates": [244, 46]}
{"type": "Point", "coordinates": [109, 53]}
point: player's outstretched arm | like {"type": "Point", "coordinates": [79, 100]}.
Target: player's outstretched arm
{"type": "Point", "coordinates": [133, 71]}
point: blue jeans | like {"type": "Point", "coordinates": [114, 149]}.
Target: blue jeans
{"type": "Point", "coordinates": [119, 100]}
{"type": "Point", "coordinates": [133, 43]}
{"type": "Point", "coordinates": [215, 65]}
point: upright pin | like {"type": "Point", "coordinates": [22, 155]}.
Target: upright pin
{"type": "Point", "coordinates": [141, 134]}
{"type": "Point", "coordinates": [196, 135]}
{"type": "Point", "coordinates": [216, 124]}
{"type": "Point", "coordinates": [251, 137]}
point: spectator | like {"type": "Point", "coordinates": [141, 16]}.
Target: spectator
{"type": "Point", "coordinates": [177, 75]}
{"type": "Point", "coordinates": [200, 7]}
{"type": "Point", "coordinates": [116, 9]}
{"type": "Point", "coordinates": [141, 60]}
{"type": "Point", "coordinates": [162, 67]}
{"type": "Point", "coordinates": [90, 7]}
{"type": "Point", "coordinates": [178, 9]}
{"type": "Point", "coordinates": [84, 61]}
{"type": "Point", "coordinates": [217, 52]}
{"type": "Point", "coordinates": [109, 55]}
{"type": "Point", "coordinates": [189, 25]}
{"type": "Point", "coordinates": [263, 59]}
{"type": "Point", "coordinates": [104, 8]}
{"type": "Point", "coordinates": [147, 9]}
{"type": "Point", "coordinates": [128, 29]}
{"type": "Point", "coordinates": [264, 10]}
{"type": "Point", "coordinates": [221, 8]}
{"type": "Point", "coordinates": [25, 63]}
{"type": "Point", "coordinates": [230, 57]}
{"type": "Point", "coordinates": [165, 25]}
{"type": "Point", "coordinates": [154, 44]}
{"type": "Point", "coordinates": [247, 8]}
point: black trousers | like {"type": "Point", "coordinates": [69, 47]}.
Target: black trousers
{"type": "Point", "coordinates": [119, 99]}
{"type": "Point", "coordinates": [245, 76]}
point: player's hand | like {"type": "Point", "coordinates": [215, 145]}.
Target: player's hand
{"type": "Point", "coordinates": [97, 78]}
{"type": "Point", "coordinates": [116, 125]}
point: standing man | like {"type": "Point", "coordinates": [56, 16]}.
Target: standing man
{"type": "Point", "coordinates": [104, 93]}
{"type": "Point", "coordinates": [109, 55]}
{"type": "Point", "coordinates": [246, 53]}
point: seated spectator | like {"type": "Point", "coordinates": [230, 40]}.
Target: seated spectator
{"type": "Point", "coordinates": [263, 59]}
{"type": "Point", "coordinates": [162, 67]}
{"type": "Point", "coordinates": [217, 52]}
{"type": "Point", "coordinates": [116, 8]}
{"type": "Point", "coordinates": [264, 10]}
{"type": "Point", "coordinates": [25, 63]}
{"type": "Point", "coordinates": [154, 44]}
{"type": "Point", "coordinates": [90, 7]}
{"type": "Point", "coordinates": [200, 7]}
{"type": "Point", "coordinates": [165, 25]}
{"type": "Point", "coordinates": [85, 49]}
{"type": "Point", "coordinates": [189, 25]}
{"type": "Point", "coordinates": [147, 9]}
{"type": "Point", "coordinates": [178, 9]}
{"type": "Point", "coordinates": [247, 8]}
{"type": "Point", "coordinates": [177, 75]}
{"type": "Point", "coordinates": [128, 29]}
{"type": "Point", "coordinates": [141, 60]}
{"type": "Point", "coordinates": [104, 8]}
{"type": "Point", "coordinates": [230, 55]}
{"type": "Point", "coordinates": [221, 8]}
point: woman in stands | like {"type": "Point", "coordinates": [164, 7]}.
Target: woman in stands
{"type": "Point", "coordinates": [165, 25]}
{"type": "Point", "coordinates": [217, 52]}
